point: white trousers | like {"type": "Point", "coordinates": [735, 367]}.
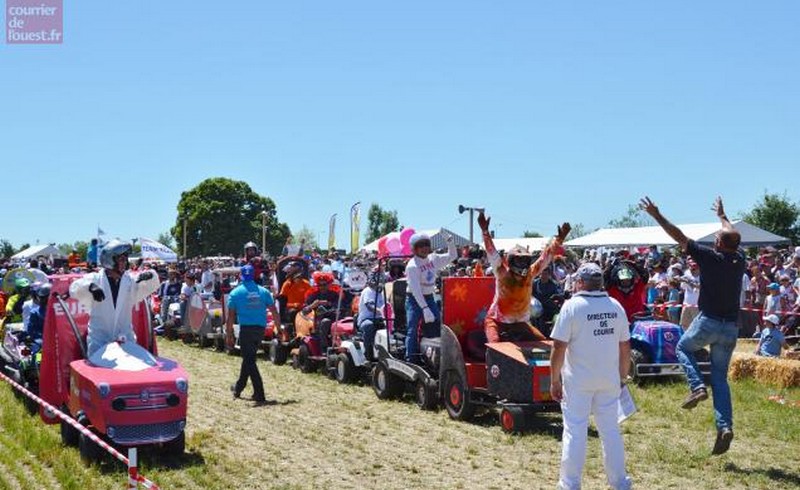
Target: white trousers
{"type": "Point", "coordinates": [576, 408]}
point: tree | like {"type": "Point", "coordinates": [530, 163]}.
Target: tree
{"type": "Point", "coordinates": [164, 238]}
{"type": "Point", "coordinates": [777, 214]}
{"type": "Point", "coordinates": [531, 234]}
{"type": "Point", "coordinates": [306, 234]}
{"type": "Point", "coordinates": [633, 218]}
{"type": "Point", "coordinates": [578, 230]}
{"type": "Point", "coordinates": [221, 215]}
{"type": "Point", "coordinates": [380, 222]}
{"type": "Point", "coordinates": [6, 248]}
{"type": "Point", "coordinates": [80, 246]}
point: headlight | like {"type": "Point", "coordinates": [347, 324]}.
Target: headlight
{"type": "Point", "coordinates": [111, 432]}
{"type": "Point", "coordinates": [173, 400]}
{"type": "Point", "coordinates": [182, 385]}
{"type": "Point", "coordinates": [118, 404]}
{"type": "Point", "coordinates": [104, 389]}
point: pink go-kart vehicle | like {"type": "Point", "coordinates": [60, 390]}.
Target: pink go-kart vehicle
{"type": "Point", "coordinates": [127, 404]}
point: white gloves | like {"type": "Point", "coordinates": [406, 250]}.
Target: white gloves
{"type": "Point", "coordinates": [428, 315]}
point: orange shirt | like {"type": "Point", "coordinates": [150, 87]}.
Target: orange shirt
{"type": "Point", "coordinates": [512, 296]}
{"type": "Point", "coordinates": [295, 292]}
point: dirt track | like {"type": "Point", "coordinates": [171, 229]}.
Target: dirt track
{"type": "Point", "coordinates": [322, 434]}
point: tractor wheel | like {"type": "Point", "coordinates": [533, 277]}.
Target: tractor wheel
{"type": "Point", "coordinates": [90, 451]}
{"type": "Point", "coordinates": [219, 344]}
{"type": "Point", "coordinates": [304, 359]}
{"type": "Point", "coordinates": [281, 353]}
{"type": "Point", "coordinates": [512, 420]}
{"type": "Point", "coordinates": [170, 330]}
{"type": "Point", "coordinates": [175, 447]}
{"type": "Point", "coordinates": [385, 384]}
{"type": "Point", "coordinates": [203, 341]}
{"type": "Point", "coordinates": [30, 404]}
{"type": "Point", "coordinates": [344, 369]}
{"type": "Point", "coordinates": [637, 357]}
{"type": "Point", "coordinates": [69, 434]}
{"type": "Point", "coordinates": [456, 398]}
{"type": "Point", "coordinates": [426, 394]}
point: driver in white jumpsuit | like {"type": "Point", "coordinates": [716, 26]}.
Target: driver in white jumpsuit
{"type": "Point", "coordinates": [110, 296]}
{"type": "Point", "coordinates": [590, 357]}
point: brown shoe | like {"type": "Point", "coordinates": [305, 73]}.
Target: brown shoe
{"type": "Point", "coordinates": [724, 438]}
{"type": "Point", "coordinates": [694, 398]}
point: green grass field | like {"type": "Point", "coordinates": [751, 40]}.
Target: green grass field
{"type": "Point", "coordinates": [322, 434]}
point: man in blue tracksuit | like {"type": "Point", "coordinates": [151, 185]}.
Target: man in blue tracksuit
{"type": "Point", "coordinates": [248, 304]}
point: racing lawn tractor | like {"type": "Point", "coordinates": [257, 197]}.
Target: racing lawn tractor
{"type": "Point", "coordinates": [654, 350]}
{"type": "Point", "coordinates": [284, 341]}
{"type": "Point", "coordinates": [20, 359]}
{"type": "Point", "coordinates": [510, 377]}
{"type": "Point", "coordinates": [392, 375]}
{"type": "Point", "coordinates": [134, 403]}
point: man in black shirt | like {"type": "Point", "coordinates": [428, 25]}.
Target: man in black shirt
{"type": "Point", "coordinates": [721, 268]}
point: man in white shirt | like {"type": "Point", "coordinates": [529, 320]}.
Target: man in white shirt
{"type": "Point", "coordinates": [690, 283]}
{"type": "Point", "coordinates": [207, 279]}
{"type": "Point", "coordinates": [590, 357]}
{"type": "Point", "coordinates": [421, 276]}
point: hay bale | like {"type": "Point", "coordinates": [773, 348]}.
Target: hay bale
{"type": "Point", "coordinates": [781, 372]}
{"type": "Point", "coordinates": [743, 366]}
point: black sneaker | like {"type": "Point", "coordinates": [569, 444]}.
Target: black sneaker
{"type": "Point", "coordinates": [723, 443]}
{"type": "Point", "coordinates": [236, 394]}
{"type": "Point", "coordinates": [694, 398]}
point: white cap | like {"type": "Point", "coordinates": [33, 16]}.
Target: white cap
{"type": "Point", "coordinates": [773, 319]}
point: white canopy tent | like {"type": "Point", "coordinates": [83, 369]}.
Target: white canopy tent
{"type": "Point", "coordinates": [37, 250]}
{"type": "Point", "coordinates": [532, 244]}
{"type": "Point", "coordinates": [655, 235]}
{"type": "Point", "coordinates": [438, 239]}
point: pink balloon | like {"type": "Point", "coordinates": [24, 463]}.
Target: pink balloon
{"type": "Point", "coordinates": [382, 246]}
{"type": "Point", "coordinates": [405, 236]}
{"type": "Point", "coordinates": [393, 244]}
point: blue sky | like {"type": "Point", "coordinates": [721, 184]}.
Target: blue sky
{"type": "Point", "coordinates": [539, 111]}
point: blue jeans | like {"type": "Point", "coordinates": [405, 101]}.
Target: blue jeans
{"type": "Point", "coordinates": [721, 336]}
{"type": "Point", "coordinates": [413, 317]}
{"type": "Point", "coordinates": [368, 328]}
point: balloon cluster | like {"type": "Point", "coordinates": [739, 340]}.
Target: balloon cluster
{"type": "Point", "coordinates": [395, 244]}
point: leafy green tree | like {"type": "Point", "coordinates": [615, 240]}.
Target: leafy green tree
{"type": "Point", "coordinates": [6, 248]}
{"type": "Point", "coordinates": [531, 234]}
{"type": "Point", "coordinates": [165, 238]}
{"type": "Point", "coordinates": [306, 234]}
{"type": "Point", "coordinates": [633, 218]}
{"type": "Point", "coordinates": [380, 222]}
{"type": "Point", "coordinates": [777, 214]}
{"type": "Point", "coordinates": [578, 230]}
{"type": "Point", "coordinates": [80, 246]}
{"type": "Point", "coordinates": [221, 215]}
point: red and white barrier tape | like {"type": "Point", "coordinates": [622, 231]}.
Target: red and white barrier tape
{"type": "Point", "coordinates": [134, 478]}
{"type": "Point", "coordinates": [671, 304]}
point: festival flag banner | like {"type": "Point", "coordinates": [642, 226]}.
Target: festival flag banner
{"type": "Point", "coordinates": [152, 249]}
{"type": "Point", "coordinates": [355, 224]}
{"type": "Point", "coordinates": [332, 233]}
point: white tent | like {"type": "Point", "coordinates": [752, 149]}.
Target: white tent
{"type": "Point", "coordinates": [37, 250]}
{"type": "Point", "coordinates": [437, 235]}
{"type": "Point", "coordinates": [532, 244]}
{"type": "Point", "coordinates": [655, 235]}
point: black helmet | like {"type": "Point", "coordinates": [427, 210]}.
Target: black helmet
{"type": "Point", "coordinates": [112, 250]}
{"type": "Point", "coordinates": [43, 292]}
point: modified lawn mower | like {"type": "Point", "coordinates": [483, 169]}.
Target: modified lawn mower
{"type": "Point", "coordinates": [511, 377]}
{"type": "Point", "coordinates": [127, 407]}
{"type": "Point", "coordinates": [654, 349]}
{"type": "Point", "coordinates": [20, 359]}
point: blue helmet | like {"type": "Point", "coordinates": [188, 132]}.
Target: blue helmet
{"type": "Point", "coordinates": [248, 272]}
